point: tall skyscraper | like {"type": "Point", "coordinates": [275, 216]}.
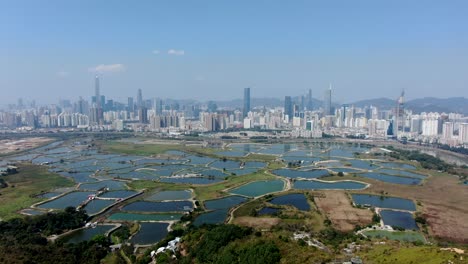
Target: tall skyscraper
{"type": "Point", "coordinates": [246, 108]}
{"type": "Point", "coordinates": [139, 99]}
{"type": "Point", "coordinates": [399, 115]}
{"type": "Point", "coordinates": [288, 107]}
{"type": "Point", "coordinates": [97, 94]}
{"type": "Point", "coordinates": [327, 102]}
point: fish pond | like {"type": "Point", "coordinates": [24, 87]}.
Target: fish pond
{"type": "Point", "coordinates": [321, 185]}
{"type": "Point", "coordinates": [297, 200]}
{"type": "Point", "coordinates": [400, 219]}
{"type": "Point", "coordinates": [144, 206]}
{"type": "Point", "coordinates": [86, 234]}
{"type": "Point", "coordinates": [384, 202]}
{"type": "Point", "coordinates": [144, 217]}
{"type": "Point", "coordinates": [170, 195]}
{"type": "Point", "coordinates": [259, 188]}
{"type": "Point", "coordinates": [150, 233]}
{"type": "Point", "coordinates": [290, 173]}
{"type": "Point", "coordinates": [71, 199]}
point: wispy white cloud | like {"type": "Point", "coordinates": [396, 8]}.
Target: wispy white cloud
{"type": "Point", "coordinates": [176, 52]}
{"type": "Point", "coordinates": [156, 52]}
{"type": "Point", "coordinates": [62, 74]}
{"type": "Point", "coordinates": [107, 68]}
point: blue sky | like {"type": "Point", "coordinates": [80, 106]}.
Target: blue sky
{"type": "Point", "coordinates": [213, 49]}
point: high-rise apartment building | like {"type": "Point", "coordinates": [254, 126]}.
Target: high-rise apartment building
{"type": "Point", "coordinates": [327, 105]}
{"type": "Point", "coordinates": [288, 107]}
{"type": "Point", "coordinates": [246, 109]}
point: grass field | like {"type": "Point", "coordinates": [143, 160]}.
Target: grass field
{"type": "Point", "coordinates": [396, 235]}
{"type": "Point", "coordinates": [30, 180]}
{"type": "Point", "coordinates": [407, 255]}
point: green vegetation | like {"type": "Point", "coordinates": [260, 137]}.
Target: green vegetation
{"type": "Point", "coordinates": [226, 244]}
{"type": "Point", "coordinates": [23, 240]}
{"type": "Point", "coordinates": [25, 185]}
{"type": "Point", "coordinates": [409, 236]}
{"type": "Point", "coordinates": [426, 161]}
{"type": "Point", "coordinates": [409, 254]}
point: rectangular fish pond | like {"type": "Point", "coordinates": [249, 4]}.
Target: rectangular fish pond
{"type": "Point", "coordinates": [150, 233]}
{"type": "Point", "coordinates": [86, 234]}
{"type": "Point", "coordinates": [321, 185]}
{"type": "Point", "coordinates": [144, 217]}
{"type": "Point", "coordinates": [145, 206]}
{"type": "Point", "coordinates": [400, 219]}
{"type": "Point", "coordinates": [259, 188]}
{"type": "Point", "coordinates": [297, 200]}
{"type": "Point", "coordinates": [384, 202]}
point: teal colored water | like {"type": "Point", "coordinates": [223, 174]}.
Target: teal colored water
{"type": "Point", "coordinates": [224, 203]}
{"type": "Point", "coordinates": [150, 233]}
{"type": "Point", "coordinates": [144, 217]}
{"type": "Point", "coordinates": [363, 164]}
{"type": "Point", "coordinates": [112, 185]}
{"type": "Point", "coordinates": [72, 199]}
{"type": "Point", "coordinates": [308, 174]}
{"type": "Point", "coordinates": [201, 181]}
{"type": "Point", "coordinates": [318, 185]}
{"type": "Point", "coordinates": [384, 202]}
{"type": "Point", "coordinates": [228, 164]}
{"type": "Point", "coordinates": [97, 205]}
{"type": "Point", "coordinates": [259, 188]}
{"type": "Point", "coordinates": [118, 194]}
{"type": "Point", "coordinates": [170, 195]}
{"type": "Point", "coordinates": [144, 206]}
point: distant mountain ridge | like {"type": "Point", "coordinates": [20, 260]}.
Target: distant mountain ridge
{"type": "Point", "coordinates": [426, 104]}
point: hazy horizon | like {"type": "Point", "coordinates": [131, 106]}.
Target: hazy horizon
{"type": "Point", "coordinates": [211, 50]}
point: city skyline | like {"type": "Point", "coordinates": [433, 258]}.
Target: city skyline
{"type": "Point", "coordinates": [52, 53]}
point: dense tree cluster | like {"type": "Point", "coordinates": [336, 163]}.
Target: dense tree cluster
{"type": "Point", "coordinates": [426, 161]}
{"type": "Point", "coordinates": [229, 244]}
{"type": "Point", "coordinates": [23, 240]}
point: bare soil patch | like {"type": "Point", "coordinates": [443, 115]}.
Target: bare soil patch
{"type": "Point", "coordinates": [12, 145]}
{"type": "Point", "coordinates": [337, 207]}
{"type": "Point", "coordinates": [256, 222]}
